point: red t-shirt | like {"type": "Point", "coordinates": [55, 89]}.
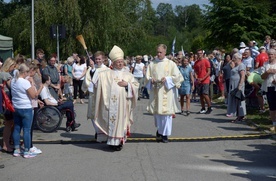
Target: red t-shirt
{"type": "Point", "coordinates": [200, 68]}
{"type": "Point", "coordinates": [262, 58]}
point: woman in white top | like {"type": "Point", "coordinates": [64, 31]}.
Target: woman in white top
{"type": "Point", "coordinates": [79, 71]}
{"type": "Point", "coordinates": [269, 85]}
{"type": "Point", "coordinates": [22, 92]}
{"type": "Point", "coordinates": [138, 70]}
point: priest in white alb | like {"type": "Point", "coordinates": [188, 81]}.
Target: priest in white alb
{"type": "Point", "coordinates": [87, 85]}
{"type": "Point", "coordinates": [116, 95]}
{"type": "Point", "coordinates": [162, 76]}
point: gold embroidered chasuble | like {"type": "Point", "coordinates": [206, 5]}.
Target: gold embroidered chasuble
{"type": "Point", "coordinates": [161, 98]}
{"type": "Point", "coordinates": [114, 105]}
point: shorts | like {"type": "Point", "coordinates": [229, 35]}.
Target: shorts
{"type": "Point", "coordinates": [203, 89]}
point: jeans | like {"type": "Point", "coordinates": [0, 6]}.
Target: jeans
{"type": "Point", "coordinates": [23, 118]}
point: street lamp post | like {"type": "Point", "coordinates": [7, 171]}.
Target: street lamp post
{"type": "Point", "coordinates": [33, 45]}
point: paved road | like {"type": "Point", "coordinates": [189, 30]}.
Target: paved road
{"type": "Point", "coordinates": [206, 147]}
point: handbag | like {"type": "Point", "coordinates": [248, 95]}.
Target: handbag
{"type": "Point", "coordinates": [133, 68]}
{"type": "Point", "coordinates": [237, 94]}
{"type": "Point", "coordinates": [7, 104]}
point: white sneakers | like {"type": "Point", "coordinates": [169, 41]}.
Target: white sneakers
{"type": "Point", "coordinates": [35, 150]}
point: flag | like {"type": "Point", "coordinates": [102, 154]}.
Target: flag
{"type": "Point", "coordinates": [183, 51]}
{"type": "Point", "coordinates": [173, 46]}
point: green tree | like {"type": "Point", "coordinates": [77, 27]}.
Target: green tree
{"type": "Point", "coordinates": [232, 21]}
{"type": "Point", "coordinates": [18, 26]}
{"type": "Point", "coordinates": [165, 17]}
{"type": "Point", "coordinates": [133, 25]}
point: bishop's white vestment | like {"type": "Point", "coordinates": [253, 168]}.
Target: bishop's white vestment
{"type": "Point", "coordinates": [114, 105]}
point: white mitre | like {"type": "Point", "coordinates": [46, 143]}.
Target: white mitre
{"type": "Point", "coordinates": [116, 53]}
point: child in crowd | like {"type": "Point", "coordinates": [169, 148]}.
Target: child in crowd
{"type": "Point", "coordinates": [68, 88]}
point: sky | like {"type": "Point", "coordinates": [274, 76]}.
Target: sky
{"type": "Point", "coordinates": [179, 2]}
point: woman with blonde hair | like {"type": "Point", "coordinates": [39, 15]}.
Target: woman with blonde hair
{"type": "Point", "coordinates": [6, 76]}
{"type": "Point", "coordinates": [35, 79]}
{"type": "Point", "coordinates": [8, 65]}
{"type": "Point", "coordinates": [69, 67]}
{"type": "Point", "coordinates": [187, 86]}
{"type": "Point", "coordinates": [22, 92]}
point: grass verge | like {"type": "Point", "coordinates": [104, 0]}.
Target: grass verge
{"type": "Point", "coordinates": [262, 120]}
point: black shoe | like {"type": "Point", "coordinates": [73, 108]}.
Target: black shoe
{"type": "Point", "coordinates": [202, 111]}
{"type": "Point", "coordinates": [209, 110]}
{"type": "Point", "coordinates": [158, 136]}
{"type": "Point", "coordinates": [165, 139]}
{"type": "Point", "coordinates": [76, 125]}
{"type": "Point", "coordinates": [119, 147]}
{"type": "Point", "coordinates": [116, 148]}
{"type": "Point", "coordinates": [2, 166]}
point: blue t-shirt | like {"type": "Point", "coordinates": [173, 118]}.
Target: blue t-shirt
{"type": "Point", "coordinates": [186, 71]}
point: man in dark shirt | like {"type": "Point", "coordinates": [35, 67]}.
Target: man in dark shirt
{"type": "Point", "coordinates": [52, 71]}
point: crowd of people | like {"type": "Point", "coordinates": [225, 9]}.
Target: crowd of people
{"type": "Point", "coordinates": [114, 83]}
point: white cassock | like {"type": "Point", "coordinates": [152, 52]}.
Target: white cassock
{"type": "Point", "coordinates": [89, 86]}
{"type": "Point", "coordinates": [114, 105]}
{"type": "Point", "coordinates": [162, 101]}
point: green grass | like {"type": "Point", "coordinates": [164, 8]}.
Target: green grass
{"type": "Point", "coordinates": [262, 120]}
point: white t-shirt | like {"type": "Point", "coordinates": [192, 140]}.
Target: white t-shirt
{"type": "Point", "coordinates": [138, 70]}
{"type": "Point", "coordinates": [78, 70]}
{"type": "Point", "coordinates": [248, 62]}
{"type": "Point", "coordinates": [45, 94]}
{"type": "Point", "coordinates": [268, 81]}
{"type": "Point", "coordinates": [20, 98]}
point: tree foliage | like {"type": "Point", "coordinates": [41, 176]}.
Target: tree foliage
{"type": "Point", "coordinates": [232, 21]}
{"type": "Point", "coordinates": [135, 25]}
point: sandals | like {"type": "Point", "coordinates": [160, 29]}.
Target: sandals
{"type": "Point", "coordinates": [236, 120]}
{"type": "Point", "coordinates": [188, 113]}
{"type": "Point", "coordinates": [185, 113]}
{"type": "Point", "coordinates": [239, 118]}
{"type": "Point", "coordinates": [7, 151]}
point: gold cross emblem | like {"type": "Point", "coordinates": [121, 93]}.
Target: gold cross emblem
{"type": "Point", "coordinates": [116, 79]}
{"type": "Point", "coordinates": [114, 98]}
{"type": "Point", "coordinates": [112, 119]}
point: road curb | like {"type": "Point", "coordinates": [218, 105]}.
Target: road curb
{"type": "Point", "coordinates": [172, 139]}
